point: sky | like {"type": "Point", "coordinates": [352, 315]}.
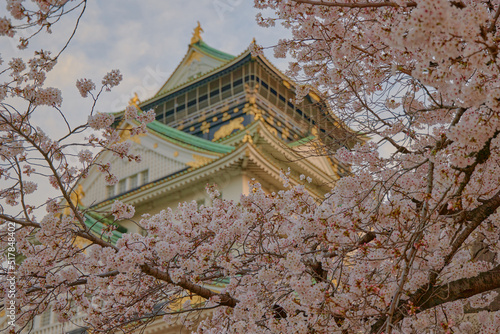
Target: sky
{"type": "Point", "coordinates": [145, 40]}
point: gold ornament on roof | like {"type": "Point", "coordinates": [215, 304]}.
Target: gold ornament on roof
{"type": "Point", "coordinates": [125, 135]}
{"type": "Point", "coordinates": [205, 127]}
{"type": "Point", "coordinates": [248, 138]}
{"type": "Point", "coordinates": [227, 129]}
{"type": "Point", "coordinates": [271, 129]}
{"type": "Point", "coordinates": [197, 34]}
{"type": "Point", "coordinates": [285, 133]}
{"type": "Point", "coordinates": [134, 101]}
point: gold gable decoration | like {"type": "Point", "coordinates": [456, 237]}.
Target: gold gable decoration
{"type": "Point", "coordinates": [199, 160]}
{"type": "Point", "coordinates": [125, 135]}
{"type": "Point", "coordinates": [195, 56]}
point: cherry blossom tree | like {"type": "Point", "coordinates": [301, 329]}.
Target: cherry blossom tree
{"type": "Point", "coordinates": [407, 243]}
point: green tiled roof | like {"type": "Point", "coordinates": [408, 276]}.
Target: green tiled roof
{"type": "Point", "coordinates": [97, 226]}
{"type": "Point", "coordinates": [188, 138]}
{"type": "Point", "coordinates": [302, 141]}
{"type": "Point", "coordinates": [203, 47]}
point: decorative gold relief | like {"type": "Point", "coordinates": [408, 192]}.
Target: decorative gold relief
{"type": "Point", "coordinates": [251, 93]}
{"type": "Point", "coordinates": [253, 110]}
{"type": "Point", "coordinates": [225, 117]}
{"type": "Point", "coordinates": [287, 84]}
{"type": "Point", "coordinates": [279, 124]}
{"type": "Point", "coordinates": [202, 118]}
{"type": "Point", "coordinates": [248, 138]}
{"type": "Point", "coordinates": [285, 133]}
{"type": "Point", "coordinates": [214, 119]}
{"type": "Point", "coordinates": [155, 145]}
{"type": "Point", "coordinates": [194, 56]}
{"type": "Point", "coordinates": [235, 110]}
{"type": "Point", "coordinates": [180, 127]}
{"type": "Point", "coordinates": [272, 130]}
{"type": "Point", "coordinates": [191, 129]}
{"type": "Point", "coordinates": [224, 109]}
{"type": "Point", "coordinates": [199, 160]}
{"type": "Point", "coordinates": [176, 154]}
{"type": "Point", "coordinates": [227, 129]}
{"type": "Point", "coordinates": [270, 120]}
{"type": "Point", "coordinates": [125, 135]}
{"type": "Point", "coordinates": [314, 131]}
{"type": "Point", "coordinates": [205, 127]}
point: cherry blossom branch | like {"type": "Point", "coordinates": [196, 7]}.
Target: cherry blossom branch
{"type": "Point", "coordinates": [356, 5]}
{"type": "Point", "coordinates": [427, 293]}
{"type": "Point", "coordinates": [428, 297]}
{"type": "Point", "coordinates": [224, 299]}
{"type": "Point", "coordinates": [494, 21]}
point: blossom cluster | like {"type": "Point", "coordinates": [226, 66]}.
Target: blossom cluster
{"type": "Point", "coordinates": [112, 79]}
{"type": "Point", "coordinates": [85, 86]}
{"type": "Point", "coordinates": [122, 211]}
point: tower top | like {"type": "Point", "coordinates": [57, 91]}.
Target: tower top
{"type": "Point", "coordinates": [197, 34]}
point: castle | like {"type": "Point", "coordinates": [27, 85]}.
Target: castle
{"type": "Point", "coordinates": [220, 119]}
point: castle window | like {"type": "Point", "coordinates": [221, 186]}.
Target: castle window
{"type": "Point", "coordinates": [45, 318]}
{"type": "Point", "coordinates": [169, 116]}
{"type": "Point", "coordinates": [122, 186]}
{"type": "Point", "coordinates": [110, 191]}
{"type": "Point", "coordinates": [145, 177]}
{"type": "Point", "coordinates": [214, 92]}
{"type": "Point", "coordinates": [237, 82]}
{"type": "Point", "coordinates": [159, 117]}
{"type": "Point", "coordinates": [133, 181]}
{"type": "Point", "coordinates": [128, 183]}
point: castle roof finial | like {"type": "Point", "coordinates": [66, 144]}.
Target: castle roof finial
{"type": "Point", "coordinates": [197, 34]}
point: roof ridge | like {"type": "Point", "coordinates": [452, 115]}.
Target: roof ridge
{"type": "Point", "coordinates": [213, 51]}
{"type": "Point", "coordinates": [189, 138]}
